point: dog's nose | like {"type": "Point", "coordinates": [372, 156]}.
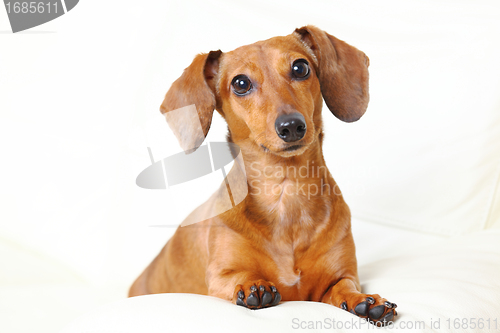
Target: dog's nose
{"type": "Point", "coordinates": [290, 127]}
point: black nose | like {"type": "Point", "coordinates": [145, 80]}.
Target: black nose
{"type": "Point", "coordinates": [291, 127]}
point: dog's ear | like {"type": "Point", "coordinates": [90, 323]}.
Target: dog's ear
{"type": "Point", "coordinates": [342, 72]}
{"type": "Point", "coordinates": [195, 93]}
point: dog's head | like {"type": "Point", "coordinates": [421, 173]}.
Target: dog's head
{"type": "Point", "coordinates": [271, 92]}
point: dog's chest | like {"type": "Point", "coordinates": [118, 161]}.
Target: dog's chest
{"type": "Point", "coordinates": [296, 219]}
{"type": "Point", "coordinates": [285, 201]}
{"type": "Point", "coordinates": [293, 208]}
{"type": "Point", "coordinates": [288, 273]}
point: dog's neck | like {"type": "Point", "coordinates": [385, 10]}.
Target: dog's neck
{"type": "Point", "coordinates": [279, 187]}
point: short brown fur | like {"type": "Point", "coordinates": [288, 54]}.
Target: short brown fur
{"type": "Point", "coordinates": [289, 239]}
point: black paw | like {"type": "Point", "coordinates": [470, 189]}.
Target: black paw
{"type": "Point", "coordinates": [373, 308]}
{"type": "Point", "coordinates": [257, 298]}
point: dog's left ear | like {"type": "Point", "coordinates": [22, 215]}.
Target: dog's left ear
{"type": "Point", "coordinates": [195, 93]}
{"type": "Point", "coordinates": [342, 72]}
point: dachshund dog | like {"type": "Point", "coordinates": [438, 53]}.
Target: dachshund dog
{"type": "Point", "coordinates": [290, 238]}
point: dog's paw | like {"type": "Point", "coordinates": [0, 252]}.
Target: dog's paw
{"type": "Point", "coordinates": [256, 295]}
{"type": "Point", "coordinates": [373, 308]}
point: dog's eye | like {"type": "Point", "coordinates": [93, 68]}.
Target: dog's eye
{"type": "Point", "coordinates": [300, 69]}
{"type": "Point", "coordinates": [241, 85]}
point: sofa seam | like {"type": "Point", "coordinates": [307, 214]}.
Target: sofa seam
{"type": "Point", "coordinates": [487, 222]}
{"type": "Point", "coordinates": [384, 220]}
{"type": "Point", "coordinates": [484, 224]}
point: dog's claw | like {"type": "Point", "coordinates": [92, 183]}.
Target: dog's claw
{"type": "Point", "coordinates": [262, 288]}
{"type": "Point", "coordinates": [343, 306]}
{"type": "Point", "coordinates": [253, 288]}
{"type": "Point", "coordinates": [277, 296]}
{"type": "Point", "coordinates": [239, 301]}
{"type": "Point", "coordinates": [388, 304]}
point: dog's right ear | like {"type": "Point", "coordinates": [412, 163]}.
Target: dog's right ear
{"type": "Point", "coordinates": [194, 92]}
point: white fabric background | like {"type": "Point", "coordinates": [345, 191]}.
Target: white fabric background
{"type": "Point", "coordinates": [79, 105]}
{"type": "Point", "coordinates": [431, 279]}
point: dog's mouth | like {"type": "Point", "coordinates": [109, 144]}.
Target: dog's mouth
{"type": "Point", "coordinates": [285, 151]}
{"type": "Point", "coordinates": [292, 148]}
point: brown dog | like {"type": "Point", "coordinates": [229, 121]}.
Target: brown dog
{"type": "Point", "coordinates": [290, 238]}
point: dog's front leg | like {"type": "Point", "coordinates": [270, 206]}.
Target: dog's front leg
{"type": "Point", "coordinates": [243, 288]}
{"type": "Point", "coordinates": [254, 293]}
{"type": "Point", "coordinates": [235, 271]}
{"type": "Point", "coordinates": [346, 295]}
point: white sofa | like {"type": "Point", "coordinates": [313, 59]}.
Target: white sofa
{"type": "Point", "coordinates": [420, 171]}
{"type": "Point", "coordinates": [439, 284]}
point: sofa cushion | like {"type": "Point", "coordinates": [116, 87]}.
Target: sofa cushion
{"type": "Point", "coordinates": [439, 281]}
